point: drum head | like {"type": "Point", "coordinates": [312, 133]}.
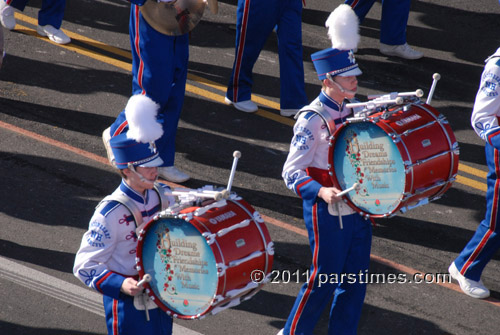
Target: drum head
{"type": "Point", "coordinates": [181, 264]}
{"type": "Point", "coordinates": [365, 154]}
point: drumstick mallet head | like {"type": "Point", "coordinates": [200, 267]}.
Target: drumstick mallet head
{"type": "Point", "coordinates": [435, 78]}
{"type": "Point", "coordinates": [236, 156]}
{"type": "Point", "coordinates": [145, 279]}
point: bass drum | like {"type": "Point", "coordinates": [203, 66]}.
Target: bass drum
{"type": "Point", "coordinates": [204, 259]}
{"type": "Point", "coordinates": [400, 158]}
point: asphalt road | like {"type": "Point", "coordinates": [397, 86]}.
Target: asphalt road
{"type": "Point", "coordinates": [55, 101]}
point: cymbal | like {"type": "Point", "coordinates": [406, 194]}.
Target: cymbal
{"type": "Point", "coordinates": [173, 18]}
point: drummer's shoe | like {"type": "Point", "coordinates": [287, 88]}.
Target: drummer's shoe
{"type": "Point", "coordinates": [403, 51]}
{"type": "Point", "coordinates": [54, 34]}
{"type": "Point", "coordinates": [7, 18]}
{"type": "Point", "coordinates": [280, 332]}
{"type": "Point", "coordinates": [171, 173]}
{"type": "Point", "coordinates": [288, 112]}
{"type": "Point", "coordinates": [106, 136]}
{"type": "Point", "coordinates": [475, 289]}
{"type": "Point", "coordinates": [247, 106]}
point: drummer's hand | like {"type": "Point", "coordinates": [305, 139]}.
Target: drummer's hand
{"type": "Point", "coordinates": [329, 194]}
{"type": "Point", "coordinates": [129, 286]}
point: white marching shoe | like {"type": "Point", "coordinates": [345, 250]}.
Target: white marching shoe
{"type": "Point", "coordinates": [171, 173]}
{"type": "Point", "coordinates": [475, 289]}
{"type": "Point", "coordinates": [247, 106]}
{"type": "Point", "coordinates": [7, 18]}
{"type": "Point", "coordinates": [55, 35]}
{"type": "Point", "coordinates": [106, 136]}
{"type": "Point", "coordinates": [403, 51]}
{"type": "Point", "coordinates": [288, 112]}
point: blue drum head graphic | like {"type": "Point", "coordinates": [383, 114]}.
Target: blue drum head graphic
{"type": "Point", "coordinates": [181, 264]}
{"type": "Point", "coordinates": [365, 154]}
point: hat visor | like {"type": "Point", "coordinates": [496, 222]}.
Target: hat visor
{"type": "Point", "coordinates": [153, 163]}
{"type": "Point", "coordinates": [354, 72]}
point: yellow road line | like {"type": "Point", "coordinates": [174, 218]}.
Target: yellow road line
{"type": "Point", "coordinates": [473, 171]}
{"type": "Point", "coordinates": [197, 90]}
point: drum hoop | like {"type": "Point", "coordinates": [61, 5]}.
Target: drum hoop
{"type": "Point", "coordinates": [140, 270]}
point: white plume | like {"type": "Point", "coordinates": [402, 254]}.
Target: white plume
{"type": "Point", "coordinates": [343, 26]}
{"type": "Point", "coordinates": [140, 113]}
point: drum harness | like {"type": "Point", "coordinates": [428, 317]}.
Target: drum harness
{"type": "Point", "coordinates": [139, 222]}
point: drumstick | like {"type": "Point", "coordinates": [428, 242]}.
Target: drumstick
{"type": "Point", "coordinates": [145, 279]}
{"type": "Point", "coordinates": [374, 103]}
{"type": "Point", "coordinates": [435, 77]}
{"type": "Point", "coordinates": [203, 194]}
{"type": "Point", "coordinates": [236, 156]}
{"type": "Point", "coordinates": [418, 93]}
{"type": "Point", "coordinates": [354, 186]}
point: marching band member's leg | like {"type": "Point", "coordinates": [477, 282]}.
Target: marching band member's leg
{"type": "Point", "coordinates": [289, 31]}
{"type": "Point", "coordinates": [255, 20]}
{"type": "Point", "coordinates": [469, 265]}
{"type": "Point", "coordinates": [393, 24]}
{"type": "Point", "coordinates": [349, 296]}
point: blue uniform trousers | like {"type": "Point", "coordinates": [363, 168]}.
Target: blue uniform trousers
{"type": "Point", "coordinates": [393, 21]}
{"type": "Point", "coordinates": [255, 20]}
{"type": "Point", "coordinates": [335, 252]}
{"type": "Point", "coordinates": [486, 241]}
{"type": "Point", "coordinates": [52, 11]}
{"type": "Point", "coordinates": [159, 70]}
{"type": "Point", "coordinates": [122, 318]}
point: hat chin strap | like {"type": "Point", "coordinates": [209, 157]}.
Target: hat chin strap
{"type": "Point", "coordinates": [140, 176]}
{"type": "Point", "coordinates": [342, 89]}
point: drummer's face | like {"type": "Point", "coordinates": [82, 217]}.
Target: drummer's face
{"type": "Point", "coordinates": [349, 83]}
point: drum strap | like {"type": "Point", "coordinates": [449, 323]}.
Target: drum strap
{"type": "Point", "coordinates": [318, 109]}
{"type": "Point", "coordinates": [132, 207]}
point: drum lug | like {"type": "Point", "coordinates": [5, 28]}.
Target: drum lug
{"type": "Point", "coordinates": [209, 237]}
{"type": "Point", "coordinates": [270, 249]}
{"type": "Point", "coordinates": [257, 217]}
{"type": "Point", "coordinates": [221, 269]}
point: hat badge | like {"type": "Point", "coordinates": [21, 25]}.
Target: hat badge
{"type": "Point", "coordinates": [152, 147]}
{"type": "Point", "coordinates": [351, 57]}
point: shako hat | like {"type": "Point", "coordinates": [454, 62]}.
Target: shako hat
{"type": "Point", "coordinates": [129, 151]}
{"type": "Point", "coordinates": [339, 60]}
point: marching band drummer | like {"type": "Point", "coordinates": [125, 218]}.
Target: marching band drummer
{"type": "Point", "coordinates": [469, 265]}
{"type": "Point", "coordinates": [105, 261]}
{"type": "Point", "coordinates": [338, 245]}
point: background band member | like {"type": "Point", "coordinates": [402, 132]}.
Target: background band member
{"type": "Point", "coordinates": [469, 265]}
{"type": "Point", "coordinates": [255, 21]}
{"type": "Point", "coordinates": [159, 72]}
{"type": "Point", "coordinates": [50, 18]}
{"type": "Point", "coordinates": [335, 249]}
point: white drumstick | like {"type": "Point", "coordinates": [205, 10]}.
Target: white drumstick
{"type": "Point", "coordinates": [374, 103]}
{"type": "Point", "coordinates": [145, 279]}
{"type": "Point", "coordinates": [208, 195]}
{"type": "Point", "coordinates": [435, 77]}
{"type": "Point", "coordinates": [354, 187]}
{"type": "Point", "coordinates": [236, 156]}
{"type": "Point", "coordinates": [418, 93]}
